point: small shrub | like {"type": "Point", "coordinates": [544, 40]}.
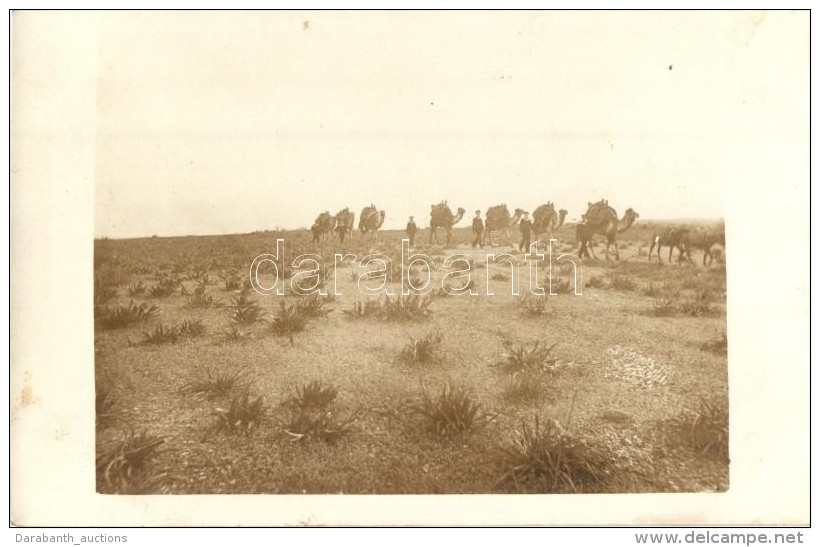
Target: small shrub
{"type": "Point", "coordinates": [123, 467]}
{"type": "Point", "coordinates": [136, 289]}
{"type": "Point", "coordinates": [406, 308]}
{"type": "Point", "coordinates": [364, 310]}
{"type": "Point", "coordinates": [719, 346]}
{"type": "Point", "coordinates": [320, 424]}
{"type": "Point", "coordinates": [234, 333]}
{"type": "Point", "coordinates": [560, 285]}
{"type": "Point", "coordinates": [623, 283]}
{"type": "Point", "coordinates": [547, 459]}
{"type": "Point", "coordinates": [452, 412]}
{"type": "Point", "coordinates": [244, 413]}
{"type": "Point", "coordinates": [704, 430]}
{"type": "Point", "coordinates": [232, 282]}
{"type": "Point", "coordinates": [597, 282]}
{"type": "Point", "coordinates": [697, 306]}
{"type": "Point", "coordinates": [313, 395]}
{"type": "Point", "coordinates": [664, 307]}
{"type": "Point", "coordinates": [104, 291]}
{"type": "Point", "coordinates": [289, 321]}
{"type": "Point", "coordinates": [523, 387]}
{"type": "Point", "coordinates": [245, 311]}
{"type": "Point", "coordinates": [105, 406]}
{"type": "Point", "coordinates": [203, 300]}
{"type": "Point", "coordinates": [315, 305]}
{"type": "Point", "coordinates": [161, 334]}
{"type": "Point", "coordinates": [519, 358]}
{"type": "Point", "coordinates": [122, 316]}
{"type": "Point", "coordinates": [161, 291]}
{"type": "Point", "coordinates": [422, 350]}
{"type": "Point", "coordinates": [216, 384]}
{"type": "Point", "coordinates": [532, 304]}
{"type": "Point", "coordinates": [191, 328]}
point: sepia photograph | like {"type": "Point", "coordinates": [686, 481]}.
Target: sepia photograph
{"type": "Point", "coordinates": [355, 255]}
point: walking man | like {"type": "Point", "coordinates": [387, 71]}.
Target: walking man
{"type": "Point", "coordinates": [525, 226]}
{"type": "Point", "coordinates": [411, 230]}
{"type": "Point", "coordinates": [478, 230]}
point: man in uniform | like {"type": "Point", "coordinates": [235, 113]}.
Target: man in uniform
{"type": "Point", "coordinates": [525, 226]}
{"type": "Point", "coordinates": [411, 230]}
{"type": "Point", "coordinates": [478, 229]}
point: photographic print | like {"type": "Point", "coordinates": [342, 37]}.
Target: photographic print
{"type": "Point", "coordinates": [421, 253]}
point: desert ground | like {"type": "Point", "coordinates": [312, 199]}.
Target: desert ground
{"type": "Point", "coordinates": [205, 386]}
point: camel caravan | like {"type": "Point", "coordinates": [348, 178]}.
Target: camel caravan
{"type": "Point", "coordinates": [599, 219]}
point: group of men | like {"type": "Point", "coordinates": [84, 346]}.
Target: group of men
{"type": "Point", "coordinates": [524, 226]}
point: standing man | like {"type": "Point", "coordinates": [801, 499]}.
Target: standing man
{"type": "Point", "coordinates": [478, 230]}
{"type": "Point", "coordinates": [526, 230]}
{"type": "Point", "coordinates": [411, 230]}
{"type": "Point", "coordinates": [342, 228]}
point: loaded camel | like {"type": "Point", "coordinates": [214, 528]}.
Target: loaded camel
{"type": "Point", "coordinates": [602, 219]}
{"type": "Point", "coordinates": [498, 219]}
{"type": "Point", "coordinates": [324, 224]}
{"type": "Point", "coordinates": [345, 220]}
{"type": "Point", "coordinates": [442, 217]}
{"type": "Point", "coordinates": [370, 220]}
{"type": "Point", "coordinates": [546, 220]}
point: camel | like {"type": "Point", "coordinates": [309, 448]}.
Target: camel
{"type": "Point", "coordinates": [704, 240]}
{"type": "Point", "coordinates": [673, 238]}
{"type": "Point", "coordinates": [442, 217]}
{"type": "Point", "coordinates": [498, 218]}
{"type": "Point", "coordinates": [370, 220]}
{"type": "Point", "coordinates": [325, 223]}
{"type": "Point", "coordinates": [546, 220]}
{"type": "Point", "coordinates": [602, 219]}
{"type": "Point", "coordinates": [345, 220]}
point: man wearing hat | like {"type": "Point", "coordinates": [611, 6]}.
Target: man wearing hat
{"type": "Point", "coordinates": [525, 226]}
{"type": "Point", "coordinates": [478, 230]}
{"type": "Point", "coordinates": [411, 230]}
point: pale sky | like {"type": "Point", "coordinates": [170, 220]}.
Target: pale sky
{"type": "Point", "coordinates": [210, 123]}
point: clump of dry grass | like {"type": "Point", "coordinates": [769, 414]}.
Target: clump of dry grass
{"type": "Point", "coordinates": [699, 305]}
{"type": "Point", "coordinates": [597, 282]}
{"type": "Point", "coordinates": [203, 300]}
{"type": "Point", "coordinates": [719, 346]}
{"type": "Point", "coordinates": [622, 283]}
{"type": "Point", "coordinates": [320, 424]}
{"type": "Point", "coordinates": [161, 334]}
{"type": "Point", "coordinates": [532, 304]}
{"type": "Point", "coordinates": [363, 310]}
{"type": "Point", "coordinates": [406, 308]}
{"type": "Point", "coordinates": [315, 305]}
{"type": "Point", "coordinates": [664, 307]}
{"type": "Point", "coordinates": [704, 429]}
{"type": "Point", "coordinates": [106, 404]}
{"type": "Point", "coordinates": [122, 316]}
{"type": "Point", "coordinates": [136, 289]}
{"type": "Point", "coordinates": [244, 414]}
{"type": "Point", "coordinates": [518, 358]}
{"type": "Point", "coordinates": [123, 467]}
{"type": "Point", "coordinates": [422, 350]}
{"type": "Point", "coordinates": [290, 321]}
{"type": "Point", "coordinates": [231, 281]}
{"type": "Point", "coordinates": [453, 411]}
{"type": "Point", "coordinates": [245, 311]}
{"type": "Point", "coordinates": [543, 457]}
{"type": "Point", "coordinates": [216, 384]}
{"type": "Point", "coordinates": [313, 395]}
